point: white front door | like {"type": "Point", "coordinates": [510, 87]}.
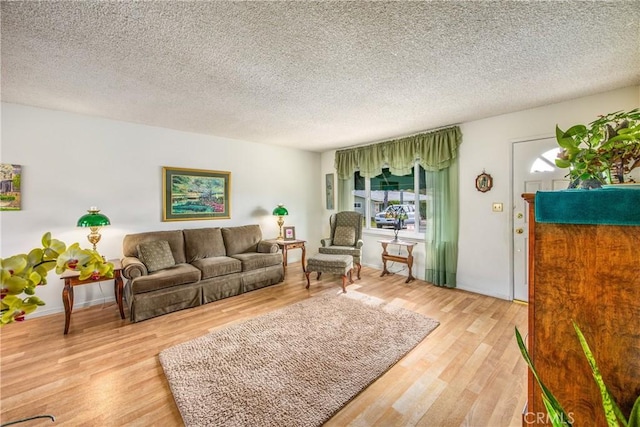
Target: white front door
{"type": "Point", "coordinates": [534, 170]}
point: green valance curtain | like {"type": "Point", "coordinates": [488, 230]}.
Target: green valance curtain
{"type": "Point", "coordinates": [436, 152]}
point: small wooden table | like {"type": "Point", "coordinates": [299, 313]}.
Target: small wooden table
{"type": "Point", "coordinates": [71, 279]}
{"type": "Point", "coordinates": [398, 258]}
{"type": "Point", "coordinates": [285, 245]}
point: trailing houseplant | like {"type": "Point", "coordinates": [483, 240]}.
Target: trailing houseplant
{"type": "Point", "coordinates": [557, 415]}
{"type": "Point", "coordinates": [602, 152]}
{"type": "Point", "coordinates": [21, 274]}
{"type": "Point", "coordinates": [399, 216]}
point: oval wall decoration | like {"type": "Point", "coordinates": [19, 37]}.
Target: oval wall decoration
{"type": "Point", "coordinates": [484, 182]}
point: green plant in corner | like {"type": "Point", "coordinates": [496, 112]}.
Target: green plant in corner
{"type": "Point", "coordinates": [22, 273]}
{"type": "Point", "coordinates": [557, 415]}
{"type": "Point", "coordinates": [607, 148]}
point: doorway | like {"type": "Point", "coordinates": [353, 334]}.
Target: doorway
{"type": "Point", "coordinates": [534, 169]}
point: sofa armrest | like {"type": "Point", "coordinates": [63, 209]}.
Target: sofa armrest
{"type": "Point", "coordinates": [326, 242]}
{"type": "Point", "coordinates": [132, 267]}
{"type": "Point", "coordinates": [359, 243]}
{"type": "Point", "coordinates": [266, 247]}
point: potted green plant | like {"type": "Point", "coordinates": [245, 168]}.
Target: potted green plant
{"type": "Point", "coordinates": [603, 152]}
{"type": "Point", "coordinates": [21, 274]}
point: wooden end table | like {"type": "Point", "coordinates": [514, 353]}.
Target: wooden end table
{"type": "Point", "coordinates": [285, 245]}
{"type": "Point", "coordinates": [71, 279]}
{"type": "Point", "coordinates": [386, 256]}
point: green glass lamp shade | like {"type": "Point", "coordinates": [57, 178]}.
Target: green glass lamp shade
{"type": "Point", "coordinates": [280, 210]}
{"type": "Point", "coordinates": [93, 219]}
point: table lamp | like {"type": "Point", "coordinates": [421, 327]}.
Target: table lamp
{"type": "Point", "coordinates": [280, 211]}
{"type": "Point", "coordinates": [94, 220]}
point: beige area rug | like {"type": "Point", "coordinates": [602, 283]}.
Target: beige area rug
{"type": "Point", "coordinates": [296, 366]}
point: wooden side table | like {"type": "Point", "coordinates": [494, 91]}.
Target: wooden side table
{"type": "Point", "coordinates": [386, 256]}
{"type": "Point", "coordinates": [285, 245]}
{"type": "Point", "coordinates": [71, 279]}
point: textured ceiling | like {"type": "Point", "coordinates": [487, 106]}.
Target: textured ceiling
{"type": "Point", "coordinates": [313, 75]}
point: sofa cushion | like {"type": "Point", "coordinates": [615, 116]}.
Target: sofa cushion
{"type": "Point", "coordinates": [241, 239]}
{"type": "Point", "coordinates": [179, 274]}
{"type": "Point", "coordinates": [342, 250]}
{"type": "Point", "coordinates": [156, 255]}
{"type": "Point", "coordinates": [217, 266]}
{"type": "Point", "coordinates": [175, 239]}
{"type": "Point", "coordinates": [268, 247]}
{"type": "Point", "coordinates": [203, 243]}
{"type": "Point", "coordinates": [255, 260]}
{"type": "Point", "coordinates": [344, 236]}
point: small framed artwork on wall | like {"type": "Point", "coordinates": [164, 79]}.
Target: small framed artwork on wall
{"type": "Point", "coordinates": [329, 190]}
{"type": "Point", "coordinates": [484, 182]}
{"type": "Point", "coordinates": [10, 192]}
{"type": "Point", "coordinates": [289, 233]}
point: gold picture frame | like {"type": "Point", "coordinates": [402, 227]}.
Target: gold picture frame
{"type": "Point", "coordinates": [194, 194]}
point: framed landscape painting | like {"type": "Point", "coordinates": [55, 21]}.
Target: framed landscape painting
{"type": "Point", "coordinates": [10, 180]}
{"type": "Point", "coordinates": [192, 194]}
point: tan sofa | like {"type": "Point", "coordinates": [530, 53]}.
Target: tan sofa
{"type": "Point", "coordinates": [208, 264]}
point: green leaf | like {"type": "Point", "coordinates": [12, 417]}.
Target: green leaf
{"type": "Point", "coordinates": [561, 163]}
{"type": "Point", "coordinates": [634, 417]}
{"type": "Point", "coordinates": [577, 130]}
{"type": "Point", "coordinates": [611, 411]}
{"type": "Point", "coordinates": [623, 137]}
{"type": "Point", "coordinates": [564, 141]}
{"type": "Point", "coordinates": [554, 416]}
{"type": "Point", "coordinates": [546, 393]}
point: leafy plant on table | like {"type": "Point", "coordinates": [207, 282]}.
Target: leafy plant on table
{"type": "Point", "coordinates": [21, 274]}
{"type": "Point", "coordinates": [557, 414]}
{"type": "Point", "coordinates": [610, 144]}
{"type": "Point", "coordinates": [398, 215]}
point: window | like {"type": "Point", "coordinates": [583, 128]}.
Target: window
{"type": "Point", "coordinates": [545, 162]}
{"type": "Point", "coordinates": [377, 198]}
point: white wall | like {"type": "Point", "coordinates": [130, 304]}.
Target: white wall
{"type": "Point", "coordinates": [71, 162]}
{"type": "Point", "coordinates": [484, 260]}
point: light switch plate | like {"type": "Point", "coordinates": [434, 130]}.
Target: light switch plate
{"type": "Point", "coordinates": [497, 207]}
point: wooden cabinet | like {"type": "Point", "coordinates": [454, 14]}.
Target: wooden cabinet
{"type": "Point", "coordinates": [591, 274]}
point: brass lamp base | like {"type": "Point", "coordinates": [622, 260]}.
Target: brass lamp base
{"type": "Point", "coordinates": [94, 237]}
{"type": "Point", "coordinates": [280, 224]}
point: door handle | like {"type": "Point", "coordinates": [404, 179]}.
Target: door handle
{"type": "Point", "coordinates": [519, 230]}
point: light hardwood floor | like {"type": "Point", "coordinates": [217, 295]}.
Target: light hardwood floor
{"type": "Point", "coordinates": [468, 372]}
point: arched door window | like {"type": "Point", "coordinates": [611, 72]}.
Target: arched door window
{"type": "Point", "coordinates": [546, 162]}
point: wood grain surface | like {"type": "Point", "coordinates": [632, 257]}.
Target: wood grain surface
{"type": "Point", "coordinates": [105, 372]}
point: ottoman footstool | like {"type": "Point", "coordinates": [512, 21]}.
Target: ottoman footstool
{"type": "Point", "coordinates": [335, 264]}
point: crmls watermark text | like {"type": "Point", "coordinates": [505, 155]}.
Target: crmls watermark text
{"type": "Point", "coordinates": [544, 418]}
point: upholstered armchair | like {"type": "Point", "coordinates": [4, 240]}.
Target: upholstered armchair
{"type": "Point", "coordinates": [346, 237]}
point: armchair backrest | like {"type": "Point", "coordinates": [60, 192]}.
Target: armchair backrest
{"type": "Point", "coordinates": [346, 219]}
